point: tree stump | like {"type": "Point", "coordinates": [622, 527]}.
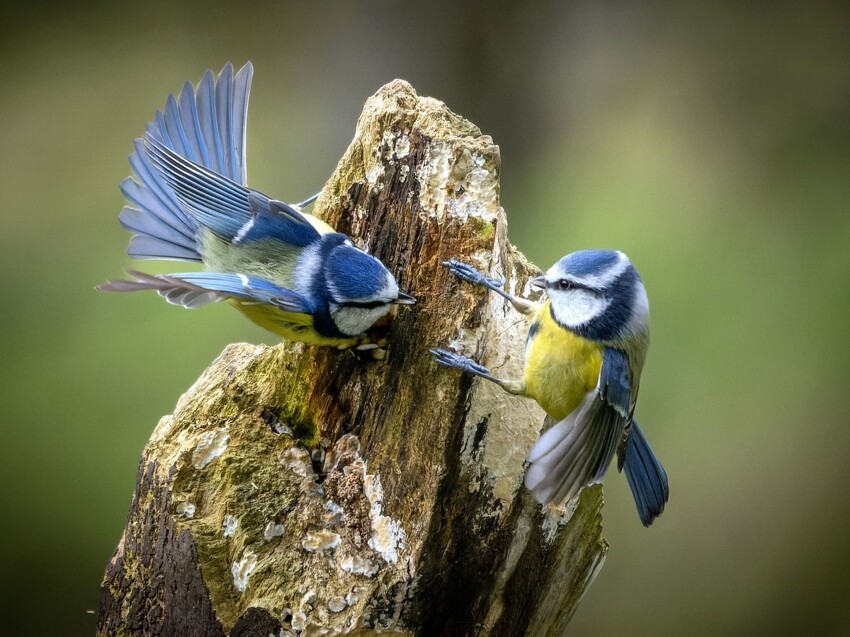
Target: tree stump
{"type": "Point", "coordinates": [305, 490]}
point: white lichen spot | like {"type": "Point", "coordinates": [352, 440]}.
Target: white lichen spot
{"type": "Point", "coordinates": [347, 447]}
{"type": "Point", "coordinates": [352, 598]}
{"type": "Point", "coordinates": [403, 173]}
{"type": "Point", "coordinates": [185, 509]}
{"type": "Point", "coordinates": [462, 184]}
{"type": "Point", "coordinates": [298, 460]}
{"type": "Point", "coordinates": [433, 176]}
{"type": "Point", "coordinates": [402, 145]}
{"type": "Point", "coordinates": [309, 599]}
{"type": "Point", "coordinates": [242, 570]}
{"type": "Point", "coordinates": [211, 445]}
{"type": "Point", "coordinates": [555, 517]}
{"type": "Point", "coordinates": [272, 531]}
{"type": "Point", "coordinates": [333, 514]}
{"type": "Point", "coordinates": [299, 620]}
{"type": "Point", "coordinates": [388, 537]}
{"type": "Point", "coordinates": [358, 565]}
{"type": "Point", "coordinates": [316, 541]}
{"type": "Point", "coordinates": [374, 174]}
{"type": "Point", "coordinates": [229, 526]}
{"type": "Point", "coordinates": [337, 604]}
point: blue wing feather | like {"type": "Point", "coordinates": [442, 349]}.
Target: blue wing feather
{"type": "Point", "coordinates": [212, 287]}
{"type": "Point", "coordinates": [214, 201]}
{"type": "Point", "coordinates": [205, 126]}
{"type": "Point", "coordinates": [614, 381]}
{"type": "Point", "coordinates": [232, 211]}
{"type": "Point", "coordinates": [205, 98]}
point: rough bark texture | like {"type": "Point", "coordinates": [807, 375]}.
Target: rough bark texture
{"type": "Point", "coordinates": [307, 490]}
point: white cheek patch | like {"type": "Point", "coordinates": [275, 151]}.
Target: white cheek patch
{"type": "Point", "coordinates": [356, 320]}
{"type": "Point", "coordinates": [576, 307]}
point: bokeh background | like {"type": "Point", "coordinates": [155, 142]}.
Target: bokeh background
{"type": "Point", "coordinates": [709, 141]}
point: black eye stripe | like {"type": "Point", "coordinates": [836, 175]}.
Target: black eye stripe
{"type": "Point", "coordinates": [567, 284]}
{"type": "Point", "coordinates": [365, 304]}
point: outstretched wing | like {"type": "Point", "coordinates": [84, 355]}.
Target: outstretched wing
{"type": "Point", "coordinates": [577, 450]}
{"type": "Point", "coordinates": [230, 210]}
{"type": "Point", "coordinates": [196, 289]}
{"type": "Point", "coordinates": [205, 126]}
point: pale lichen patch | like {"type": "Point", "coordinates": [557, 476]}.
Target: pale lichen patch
{"type": "Point", "coordinates": [373, 176]}
{"type": "Point", "coordinates": [359, 565]}
{"type": "Point", "coordinates": [433, 177]}
{"type": "Point", "coordinates": [272, 531]}
{"type": "Point", "coordinates": [556, 516]}
{"type": "Point", "coordinates": [185, 509]}
{"type": "Point", "coordinates": [299, 620]}
{"type": "Point", "coordinates": [242, 570]}
{"type": "Point", "coordinates": [229, 525]}
{"type": "Point", "coordinates": [337, 604]}
{"type": "Point", "coordinates": [333, 514]}
{"type": "Point", "coordinates": [388, 537]}
{"type": "Point", "coordinates": [211, 445]}
{"type": "Point", "coordinates": [322, 540]}
{"type": "Point", "coordinates": [298, 460]}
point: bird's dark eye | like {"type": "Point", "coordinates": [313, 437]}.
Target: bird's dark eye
{"type": "Point", "coordinates": [564, 284]}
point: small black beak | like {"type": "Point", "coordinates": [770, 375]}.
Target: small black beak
{"type": "Point", "coordinates": [538, 281]}
{"type": "Point", "coordinates": [404, 299]}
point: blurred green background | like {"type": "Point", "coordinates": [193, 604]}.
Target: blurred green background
{"type": "Point", "coordinates": [711, 143]}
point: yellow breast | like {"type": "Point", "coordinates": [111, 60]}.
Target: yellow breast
{"type": "Point", "coordinates": [289, 325]}
{"type": "Point", "coordinates": [560, 367]}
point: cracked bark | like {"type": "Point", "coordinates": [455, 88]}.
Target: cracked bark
{"type": "Point", "coordinates": [362, 497]}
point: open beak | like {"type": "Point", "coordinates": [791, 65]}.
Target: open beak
{"type": "Point", "coordinates": [404, 299]}
{"type": "Point", "coordinates": [538, 282]}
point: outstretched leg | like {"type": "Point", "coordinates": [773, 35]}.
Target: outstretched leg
{"type": "Point", "coordinates": [464, 364]}
{"type": "Point", "coordinates": [471, 275]}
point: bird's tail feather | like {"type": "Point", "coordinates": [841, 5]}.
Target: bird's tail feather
{"type": "Point", "coordinates": [205, 125]}
{"type": "Point", "coordinates": [646, 477]}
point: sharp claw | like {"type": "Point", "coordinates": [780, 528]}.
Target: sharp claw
{"type": "Point", "coordinates": [457, 361]}
{"type": "Point", "coordinates": [471, 275]}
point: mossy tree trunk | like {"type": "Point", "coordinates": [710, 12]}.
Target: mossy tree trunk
{"type": "Point", "coordinates": [308, 490]}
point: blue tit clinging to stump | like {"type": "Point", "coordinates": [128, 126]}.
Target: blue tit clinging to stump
{"type": "Point", "coordinates": [286, 270]}
{"type": "Point", "coordinates": [584, 353]}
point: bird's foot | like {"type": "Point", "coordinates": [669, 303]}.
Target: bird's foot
{"type": "Point", "coordinates": [457, 361]}
{"type": "Point", "coordinates": [471, 275]}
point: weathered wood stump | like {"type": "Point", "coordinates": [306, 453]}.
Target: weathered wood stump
{"type": "Point", "coordinates": [307, 490]}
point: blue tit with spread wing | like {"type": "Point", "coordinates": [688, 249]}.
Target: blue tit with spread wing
{"type": "Point", "coordinates": [584, 354]}
{"type": "Point", "coordinates": [286, 270]}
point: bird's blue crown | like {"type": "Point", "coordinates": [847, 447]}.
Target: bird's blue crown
{"type": "Point", "coordinates": [354, 275]}
{"type": "Point", "coordinates": [589, 262]}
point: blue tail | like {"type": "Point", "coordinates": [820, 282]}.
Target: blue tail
{"type": "Point", "coordinates": [205, 125]}
{"type": "Point", "coordinates": [647, 478]}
